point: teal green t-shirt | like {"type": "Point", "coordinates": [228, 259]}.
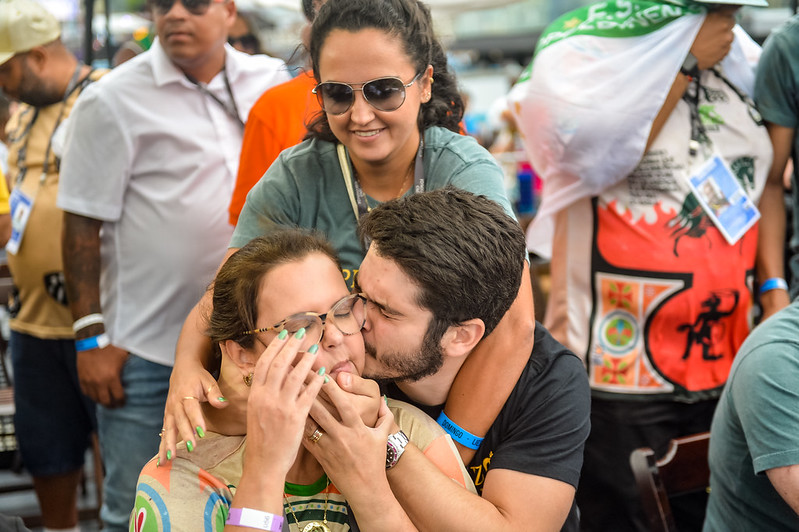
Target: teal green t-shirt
{"type": "Point", "coordinates": [756, 428]}
{"type": "Point", "coordinates": [777, 98]}
{"type": "Point", "coordinates": [305, 188]}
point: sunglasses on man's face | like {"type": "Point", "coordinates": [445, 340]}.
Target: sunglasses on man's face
{"type": "Point", "coordinates": [195, 7]}
{"type": "Point", "coordinates": [248, 40]}
{"type": "Point", "coordinates": [384, 94]}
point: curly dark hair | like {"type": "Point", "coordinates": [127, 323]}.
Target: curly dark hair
{"type": "Point", "coordinates": [410, 21]}
{"type": "Point", "coordinates": [464, 253]}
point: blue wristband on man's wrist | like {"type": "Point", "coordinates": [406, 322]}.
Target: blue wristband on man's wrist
{"type": "Point", "coordinates": [774, 283]}
{"type": "Point", "coordinates": [460, 435]}
{"type": "Point", "coordinates": [94, 342]}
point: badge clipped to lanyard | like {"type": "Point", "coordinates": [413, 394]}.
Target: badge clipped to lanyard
{"type": "Point", "coordinates": [714, 185]}
{"type": "Point", "coordinates": [21, 206]}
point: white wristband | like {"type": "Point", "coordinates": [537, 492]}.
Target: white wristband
{"type": "Point", "coordinates": [247, 517]}
{"type": "Point", "coordinates": [85, 321]}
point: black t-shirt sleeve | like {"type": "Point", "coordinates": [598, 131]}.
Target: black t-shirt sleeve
{"type": "Point", "coordinates": [543, 427]}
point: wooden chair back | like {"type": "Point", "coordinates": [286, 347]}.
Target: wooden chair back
{"type": "Point", "coordinates": [683, 469]}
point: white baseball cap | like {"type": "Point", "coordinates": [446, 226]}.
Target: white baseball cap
{"type": "Point", "coordinates": [25, 24]}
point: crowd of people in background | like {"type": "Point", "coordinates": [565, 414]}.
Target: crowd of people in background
{"type": "Point", "coordinates": [308, 295]}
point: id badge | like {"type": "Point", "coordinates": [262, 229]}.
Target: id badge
{"type": "Point", "coordinates": [723, 198]}
{"type": "Point", "coordinates": [21, 206]}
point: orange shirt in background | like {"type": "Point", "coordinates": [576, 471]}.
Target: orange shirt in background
{"type": "Point", "coordinates": [277, 121]}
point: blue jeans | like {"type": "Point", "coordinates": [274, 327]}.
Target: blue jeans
{"type": "Point", "coordinates": [129, 436]}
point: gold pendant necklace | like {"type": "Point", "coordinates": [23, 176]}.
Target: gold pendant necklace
{"type": "Point", "coordinates": [313, 526]}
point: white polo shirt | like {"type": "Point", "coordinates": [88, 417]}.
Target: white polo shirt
{"type": "Point", "coordinates": [155, 159]}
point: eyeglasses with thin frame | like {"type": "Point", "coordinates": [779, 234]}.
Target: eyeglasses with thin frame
{"type": "Point", "coordinates": [195, 7]}
{"type": "Point", "coordinates": [348, 315]}
{"type": "Point", "coordinates": [384, 94]}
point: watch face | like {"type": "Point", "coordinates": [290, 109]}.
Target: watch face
{"type": "Point", "coordinates": [391, 455]}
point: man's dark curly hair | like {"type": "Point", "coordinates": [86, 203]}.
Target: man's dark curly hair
{"type": "Point", "coordinates": [465, 254]}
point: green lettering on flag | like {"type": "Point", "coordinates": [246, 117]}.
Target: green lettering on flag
{"type": "Point", "coordinates": [616, 18]}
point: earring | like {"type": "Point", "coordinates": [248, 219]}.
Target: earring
{"type": "Point", "coordinates": [431, 79]}
{"type": "Point", "coordinates": [248, 379]}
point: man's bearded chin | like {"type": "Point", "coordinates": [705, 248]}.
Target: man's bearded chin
{"type": "Point", "coordinates": [399, 367]}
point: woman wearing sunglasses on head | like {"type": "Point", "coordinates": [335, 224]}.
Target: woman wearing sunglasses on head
{"type": "Point", "coordinates": [279, 336]}
{"type": "Point", "coordinates": [389, 127]}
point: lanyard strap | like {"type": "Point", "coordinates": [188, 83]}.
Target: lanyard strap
{"type": "Point", "coordinates": [699, 134]}
{"type": "Point", "coordinates": [73, 85]}
{"type": "Point", "coordinates": [750, 104]}
{"type": "Point", "coordinates": [356, 194]}
{"type": "Point", "coordinates": [698, 131]}
{"type": "Point", "coordinates": [231, 109]}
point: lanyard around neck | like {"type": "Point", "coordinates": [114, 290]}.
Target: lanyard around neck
{"type": "Point", "coordinates": [22, 169]}
{"type": "Point", "coordinates": [231, 109]}
{"type": "Point", "coordinates": [699, 136]}
{"type": "Point", "coordinates": [356, 194]}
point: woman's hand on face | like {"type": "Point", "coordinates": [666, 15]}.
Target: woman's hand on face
{"type": "Point", "coordinates": [352, 453]}
{"type": "Point", "coordinates": [363, 394]}
{"type": "Point", "coordinates": [280, 399]}
{"type": "Point", "coordinates": [183, 417]}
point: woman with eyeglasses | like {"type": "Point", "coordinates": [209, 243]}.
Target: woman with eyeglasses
{"type": "Point", "coordinates": [280, 339]}
{"type": "Point", "coordinates": [389, 127]}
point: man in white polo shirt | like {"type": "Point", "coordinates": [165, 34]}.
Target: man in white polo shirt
{"type": "Point", "coordinates": [151, 159]}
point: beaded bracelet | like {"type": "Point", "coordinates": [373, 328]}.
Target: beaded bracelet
{"type": "Point", "coordinates": [247, 517]}
{"type": "Point", "coordinates": [460, 435]}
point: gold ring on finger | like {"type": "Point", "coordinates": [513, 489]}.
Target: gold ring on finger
{"type": "Point", "coordinates": [210, 388]}
{"type": "Point", "coordinates": [190, 397]}
{"type": "Point", "coordinates": [317, 434]}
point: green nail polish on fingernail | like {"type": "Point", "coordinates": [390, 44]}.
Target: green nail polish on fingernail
{"type": "Point", "coordinates": [283, 334]}
{"type": "Point", "coordinates": [169, 455]}
{"type": "Point", "coordinates": [385, 399]}
{"type": "Point", "coordinates": [327, 379]}
{"type": "Point", "coordinates": [200, 432]}
{"type": "Point", "coordinates": [189, 446]}
{"type": "Point", "coordinates": [321, 371]}
{"type": "Point", "coordinates": [158, 463]}
{"type": "Point", "coordinates": [221, 399]}
{"type": "Point", "coordinates": [313, 349]}
{"type": "Point", "coordinates": [300, 334]}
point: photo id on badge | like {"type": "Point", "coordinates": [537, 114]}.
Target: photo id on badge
{"type": "Point", "coordinates": [723, 198]}
{"type": "Point", "coordinates": [21, 206]}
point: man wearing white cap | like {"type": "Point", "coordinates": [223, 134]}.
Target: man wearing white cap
{"type": "Point", "coordinates": [151, 157]}
{"type": "Point", "coordinates": [639, 118]}
{"type": "Point", "coordinates": [53, 420]}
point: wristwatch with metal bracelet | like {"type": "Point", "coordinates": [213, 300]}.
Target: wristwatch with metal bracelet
{"type": "Point", "coordinates": [395, 446]}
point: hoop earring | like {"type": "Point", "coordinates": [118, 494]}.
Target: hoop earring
{"type": "Point", "coordinates": [248, 380]}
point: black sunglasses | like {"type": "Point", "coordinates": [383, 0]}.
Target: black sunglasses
{"type": "Point", "coordinates": [384, 94]}
{"type": "Point", "coordinates": [195, 7]}
{"type": "Point", "coordinates": [248, 40]}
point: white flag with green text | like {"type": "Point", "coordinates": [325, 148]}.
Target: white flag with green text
{"type": "Point", "coordinates": [586, 103]}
